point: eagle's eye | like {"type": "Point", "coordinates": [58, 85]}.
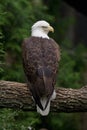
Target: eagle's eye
{"type": "Point", "coordinates": [44, 27]}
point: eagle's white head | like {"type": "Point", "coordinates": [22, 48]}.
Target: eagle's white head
{"type": "Point", "coordinates": [41, 29]}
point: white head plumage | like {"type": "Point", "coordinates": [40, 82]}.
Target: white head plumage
{"type": "Point", "coordinates": [41, 29]}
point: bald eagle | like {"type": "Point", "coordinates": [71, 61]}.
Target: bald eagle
{"type": "Point", "coordinates": [41, 55]}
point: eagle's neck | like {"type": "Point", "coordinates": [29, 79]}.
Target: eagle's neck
{"type": "Point", "coordinates": [39, 33]}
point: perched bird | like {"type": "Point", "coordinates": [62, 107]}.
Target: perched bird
{"type": "Point", "coordinates": [41, 55]}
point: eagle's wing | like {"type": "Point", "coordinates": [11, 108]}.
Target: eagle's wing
{"type": "Point", "coordinates": [40, 60]}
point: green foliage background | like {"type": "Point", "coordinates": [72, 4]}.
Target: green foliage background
{"type": "Point", "coordinates": [16, 19]}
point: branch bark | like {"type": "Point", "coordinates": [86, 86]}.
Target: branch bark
{"type": "Point", "coordinates": [17, 96]}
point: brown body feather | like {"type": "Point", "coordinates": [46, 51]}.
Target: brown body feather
{"type": "Point", "coordinates": [40, 61]}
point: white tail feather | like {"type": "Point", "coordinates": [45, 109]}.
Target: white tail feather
{"type": "Point", "coordinates": [53, 95]}
{"type": "Point", "coordinates": [43, 102]}
{"type": "Point", "coordinates": [46, 111]}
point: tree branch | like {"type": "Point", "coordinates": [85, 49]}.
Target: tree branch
{"type": "Point", "coordinates": [16, 95]}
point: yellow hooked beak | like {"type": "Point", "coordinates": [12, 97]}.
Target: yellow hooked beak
{"type": "Point", "coordinates": [50, 28]}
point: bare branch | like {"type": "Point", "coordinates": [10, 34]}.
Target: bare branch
{"type": "Point", "coordinates": [17, 96]}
